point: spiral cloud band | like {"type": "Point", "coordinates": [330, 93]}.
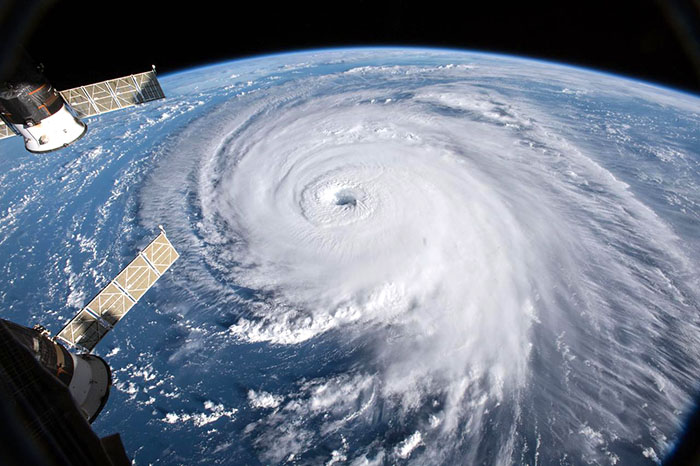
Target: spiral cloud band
{"type": "Point", "coordinates": [500, 292]}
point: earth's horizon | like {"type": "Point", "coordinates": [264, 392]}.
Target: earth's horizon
{"type": "Point", "coordinates": [609, 73]}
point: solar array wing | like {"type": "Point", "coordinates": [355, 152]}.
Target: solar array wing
{"type": "Point", "coordinates": [102, 313]}
{"type": "Point", "coordinates": [113, 94]}
{"type": "Point", "coordinates": [84, 330]}
{"type": "Point", "coordinates": [5, 131]}
{"type": "Point", "coordinates": [111, 304]}
{"type": "Point", "coordinates": [160, 254]}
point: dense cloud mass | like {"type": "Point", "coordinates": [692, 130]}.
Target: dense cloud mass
{"type": "Point", "coordinates": [511, 293]}
{"type": "Point", "coordinates": [403, 256]}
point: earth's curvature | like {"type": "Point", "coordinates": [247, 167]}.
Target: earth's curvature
{"type": "Point", "coordinates": [389, 256]}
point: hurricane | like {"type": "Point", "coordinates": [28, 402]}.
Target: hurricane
{"type": "Point", "coordinates": [436, 262]}
{"type": "Point", "coordinates": [452, 235]}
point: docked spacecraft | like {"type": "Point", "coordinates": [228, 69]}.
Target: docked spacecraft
{"type": "Point", "coordinates": [49, 120]}
{"type": "Point", "coordinates": [67, 356]}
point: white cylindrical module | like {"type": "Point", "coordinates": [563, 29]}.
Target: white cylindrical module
{"type": "Point", "coordinates": [31, 106]}
{"type": "Point", "coordinates": [88, 377]}
{"type": "Point", "coordinates": [53, 132]}
{"type": "Point", "coordinates": [90, 384]}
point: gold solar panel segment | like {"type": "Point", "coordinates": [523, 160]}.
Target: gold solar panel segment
{"type": "Point", "coordinates": [137, 278]}
{"type": "Point", "coordinates": [79, 101]}
{"type": "Point", "coordinates": [161, 254]}
{"type": "Point", "coordinates": [102, 97]}
{"type": "Point", "coordinates": [125, 91]}
{"type": "Point", "coordinates": [111, 304]}
{"type": "Point", "coordinates": [84, 330]}
{"type": "Point", "coordinates": [5, 131]}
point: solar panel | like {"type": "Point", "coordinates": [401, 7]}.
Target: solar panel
{"type": "Point", "coordinates": [5, 131]}
{"type": "Point", "coordinates": [111, 304]}
{"type": "Point", "coordinates": [160, 254]}
{"type": "Point", "coordinates": [105, 310]}
{"type": "Point", "coordinates": [84, 330]}
{"type": "Point", "coordinates": [137, 278]}
{"type": "Point", "coordinates": [113, 94]}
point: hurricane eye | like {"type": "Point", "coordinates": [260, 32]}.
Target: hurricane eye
{"type": "Point", "coordinates": [345, 198]}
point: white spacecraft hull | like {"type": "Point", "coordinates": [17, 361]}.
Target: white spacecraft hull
{"type": "Point", "coordinates": [53, 132]}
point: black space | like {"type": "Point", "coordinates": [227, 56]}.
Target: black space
{"type": "Point", "coordinates": [82, 41]}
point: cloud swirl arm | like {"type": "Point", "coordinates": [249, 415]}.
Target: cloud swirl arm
{"type": "Point", "coordinates": [501, 291]}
